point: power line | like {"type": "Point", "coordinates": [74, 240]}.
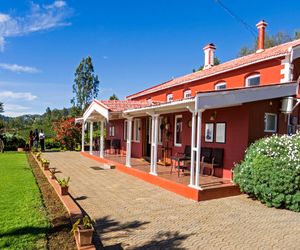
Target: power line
{"type": "Point", "coordinates": [239, 19]}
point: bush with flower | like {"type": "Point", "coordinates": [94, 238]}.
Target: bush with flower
{"type": "Point", "coordinates": [67, 132]}
{"type": "Point", "coordinates": [270, 171]}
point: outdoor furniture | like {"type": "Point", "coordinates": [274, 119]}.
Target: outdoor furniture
{"type": "Point", "coordinates": [181, 157]}
{"type": "Point", "coordinates": [211, 158]}
{"type": "Point", "coordinates": [166, 153]}
{"type": "Point", "coordinates": [116, 145]}
{"type": "Point", "coordinates": [106, 145]}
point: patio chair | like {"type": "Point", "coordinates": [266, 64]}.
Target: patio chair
{"type": "Point", "coordinates": [181, 157]}
{"type": "Point", "coordinates": [116, 145]}
{"type": "Point", "coordinates": [212, 161]}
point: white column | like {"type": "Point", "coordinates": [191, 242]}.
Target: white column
{"type": "Point", "coordinates": [193, 149]}
{"type": "Point", "coordinates": [101, 139]}
{"type": "Point", "coordinates": [152, 144]}
{"type": "Point", "coordinates": [82, 136]}
{"type": "Point", "coordinates": [198, 154]}
{"type": "Point", "coordinates": [91, 138]}
{"type": "Point", "coordinates": [154, 141]}
{"type": "Point", "coordinates": [128, 146]}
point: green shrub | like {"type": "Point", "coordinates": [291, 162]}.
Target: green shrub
{"type": "Point", "coordinates": [12, 142]}
{"type": "Point", "coordinates": [270, 171]}
{"type": "Point", "coordinates": [52, 143]}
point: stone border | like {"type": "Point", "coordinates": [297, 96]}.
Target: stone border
{"type": "Point", "coordinates": [71, 206]}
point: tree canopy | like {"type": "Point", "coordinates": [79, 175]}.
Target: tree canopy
{"type": "Point", "coordinates": [113, 97]}
{"type": "Point", "coordinates": [1, 107]}
{"type": "Point", "coordinates": [216, 62]}
{"type": "Point", "coordinates": [86, 85]}
{"type": "Point", "coordinates": [270, 41]}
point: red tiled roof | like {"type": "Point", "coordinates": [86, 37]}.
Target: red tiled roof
{"type": "Point", "coordinates": [121, 105]}
{"type": "Point", "coordinates": [267, 54]}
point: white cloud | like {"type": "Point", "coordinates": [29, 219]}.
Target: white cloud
{"type": "Point", "coordinates": [17, 95]}
{"type": "Point", "coordinates": [18, 68]}
{"type": "Point", "coordinates": [4, 18]}
{"type": "Point", "coordinates": [40, 17]}
{"type": "Point", "coordinates": [56, 4]}
{"type": "Point", "coordinates": [14, 110]}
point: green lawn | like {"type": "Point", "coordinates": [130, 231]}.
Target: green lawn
{"type": "Point", "coordinates": [23, 220]}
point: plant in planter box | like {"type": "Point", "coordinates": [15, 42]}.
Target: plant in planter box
{"type": "Point", "coordinates": [84, 229]}
{"type": "Point", "coordinates": [45, 163]}
{"type": "Point", "coordinates": [38, 155]}
{"type": "Point", "coordinates": [64, 185]}
{"type": "Point", "coordinates": [53, 171]}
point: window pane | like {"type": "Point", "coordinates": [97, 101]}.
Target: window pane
{"type": "Point", "coordinates": [254, 81]}
{"type": "Point", "coordinates": [221, 86]}
{"type": "Point", "coordinates": [270, 122]}
{"type": "Point", "coordinates": [178, 130]}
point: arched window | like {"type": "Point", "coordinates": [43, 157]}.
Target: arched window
{"type": "Point", "coordinates": [187, 94]}
{"type": "Point", "coordinates": [252, 80]}
{"type": "Point", "coordinates": [169, 97]}
{"type": "Point", "coordinates": [220, 85]}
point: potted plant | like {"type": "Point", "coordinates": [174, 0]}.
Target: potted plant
{"type": "Point", "coordinates": [46, 164]}
{"type": "Point", "coordinates": [64, 185]}
{"type": "Point", "coordinates": [38, 155]}
{"type": "Point", "coordinates": [52, 171]}
{"type": "Point", "coordinates": [84, 229]}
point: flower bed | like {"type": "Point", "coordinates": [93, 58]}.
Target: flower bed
{"type": "Point", "coordinates": [270, 171]}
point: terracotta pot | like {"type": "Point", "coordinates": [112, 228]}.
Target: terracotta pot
{"type": "Point", "coordinates": [64, 190]}
{"type": "Point", "coordinates": [85, 235]}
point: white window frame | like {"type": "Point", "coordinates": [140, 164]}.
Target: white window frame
{"type": "Point", "coordinates": [250, 77]}
{"type": "Point", "coordinates": [112, 130]}
{"type": "Point", "coordinates": [125, 130]}
{"type": "Point", "coordinates": [175, 126]}
{"type": "Point", "coordinates": [160, 135]}
{"type": "Point", "coordinates": [136, 130]}
{"type": "Point", "coordinates": [187, 94]}
{"type": "Point", "coordinates": [218, 85]}
{"type": "Point", "coordinates": [170, 98]}
{"type": "Point", "coordinates": [265, 120]}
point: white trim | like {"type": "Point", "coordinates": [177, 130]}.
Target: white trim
{"type": "Point", "coordinates": [175, 126]}
{"type": "Point", "coordinates": [128, 143]}
{"type": "Point", "coordinates": [219, 84]}
{"type": "Point", "coordinates": [166, 106]}
{"type": "Point", "coordinates": [265, 120]}
{"type": "Point", "coordinates": [98, 108]}
{"type": "Point", "coordinates": [170, 97]}
{"type": "Point", "coordinates": [251, 77]}
{"type": "Point", "coordinates": [206, 76]}
{"type": "Point", "coordinates": [136, 130]}
{"type": "Point", "coordinates": [187, 94]}
{"type": "Point", "coordinates": [219, 99]}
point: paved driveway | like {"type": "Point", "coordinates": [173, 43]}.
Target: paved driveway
{"type": "Point", "coordinates": [132, 214]}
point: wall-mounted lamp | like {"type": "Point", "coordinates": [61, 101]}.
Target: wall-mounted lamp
{"type": "Point", "coordinates": [213, 116]}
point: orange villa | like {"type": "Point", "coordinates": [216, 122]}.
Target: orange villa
{"type": "Point", "coordinates": [186, 134]}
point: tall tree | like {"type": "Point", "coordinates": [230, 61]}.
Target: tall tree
{"type": "Point", "coordinates": [86, 85]}
{"type": "Point", "coordinates": [1, 107]}
{"type": "Point", "coordinates": [216, 62]}
{"type": "Point", "coordinates": [113, 97]}
{"type": "Point", "coordinates": [270, 41]}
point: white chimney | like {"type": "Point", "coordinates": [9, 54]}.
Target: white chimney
{"type": "Point", "coordinates": [209, 55]}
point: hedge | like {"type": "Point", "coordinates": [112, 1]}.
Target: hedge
{"type": "Point", "coordinates": [270, 171]}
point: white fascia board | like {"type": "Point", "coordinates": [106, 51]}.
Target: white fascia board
{"type": "Point", "coordinates": [161, 107]}
{"type": "Point", "coordinates": [235, 97]}
{"type": "Point", "coordinates": [98, 108]}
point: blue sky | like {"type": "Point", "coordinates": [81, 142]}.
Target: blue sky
{"type": "Point", "coordinates": [134, 44]}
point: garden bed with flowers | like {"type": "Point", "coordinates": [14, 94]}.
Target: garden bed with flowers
{"type": "Point", "coordinates": [270, 171]}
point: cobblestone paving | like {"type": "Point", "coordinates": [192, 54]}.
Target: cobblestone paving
{"type": "Point", "coordinates": [132, 214]}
